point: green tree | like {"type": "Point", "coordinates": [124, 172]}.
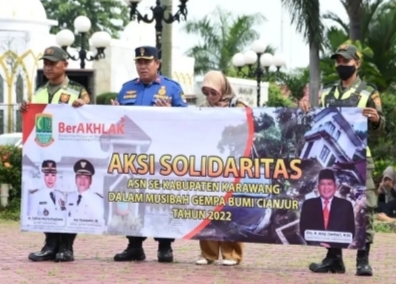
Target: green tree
{"type": "Point", "coordinates": [221, 36]}
{"type": "Point", "coordinates": [276, 98]}
{"type": "Point", "coordinates": [166, 64]}
{"type": "Point", "coordinates": [296, 83]}
{"type": "Point", "coordinates": [106, 15]}
{"type": "Point", "coordinates": [378, 42]}
{"type": "Point", "coordinates": [306, 15]}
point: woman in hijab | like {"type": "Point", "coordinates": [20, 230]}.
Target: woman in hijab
{"type": "Point", "coordinates": [218, 93]}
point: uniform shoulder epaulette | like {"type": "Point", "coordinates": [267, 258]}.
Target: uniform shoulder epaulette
{"type": "Point", "coordinates": [101, 196]}
{"type": "Point", "coordinates": [330, 85]}
{"type": "Point", "coordinates": [75, 85]}
{"type": "Point", "coordinates": [370, 87]}
{"type": "Point", "coordinates": [131, 81]}
{"type": "Point", "coordinates": [171, 80]}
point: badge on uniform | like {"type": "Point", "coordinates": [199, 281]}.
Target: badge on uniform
{"type": "Point", "coordinates": [85, 96]}
{"type": "Point", "coordinates": [46, 212]}
{"type": "Point", "coordinates": [64, 98]}
{"type": "Point", "coordinates": [130, 95]}
{"type": "Point", "coordinates": [376, 99]}
{"type": "Point", "coordinates": [161, 93]}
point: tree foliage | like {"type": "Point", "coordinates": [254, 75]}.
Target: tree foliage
{"type": "Point", "coordinates": [276, 98]}
{"type": "Point", "coordinates": [306, 16]}
{"type": "Point", "coordinates": [105, 15]}
{"type": "Point", "coordinates": [221, 36]}
{"type": "Point", "coordinates": [378, 44]}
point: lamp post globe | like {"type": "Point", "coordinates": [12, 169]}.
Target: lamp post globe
{"type": "Point", "coordinates": [279, 61]}
{"type": "Point", "coordinates": [238, 60]}
{"type": "Point", "coordinates": [250, 57]}
{"type": "Point", "coordinates": [259, 46]}
{"type": "Point", "coordinates": [266, 60]}
{"type": "Point", "coordinates": [132, 1]}
{"type": "Point", "coordinates": [64, 38]}
{"type": "Point", "coordinates": [82, 24]}
{"type": "Point", "coordinates": [100, 39]}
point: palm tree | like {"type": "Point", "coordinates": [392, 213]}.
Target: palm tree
{"type": "Point", "coordinates": [306, 15]}
{"type": "Point", "coordinates": [221, 36]}
{"type": "Point", "coordinates": [378, 35]}
{"type": "Point", "coordinates": [354, 9]}
{"type": "Point", "coordinates": [360, 13]}
{"type": "Point", "coordinates": [166, 68]}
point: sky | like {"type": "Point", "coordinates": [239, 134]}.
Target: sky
{"type": "Point", "coordinates": [282, 36]}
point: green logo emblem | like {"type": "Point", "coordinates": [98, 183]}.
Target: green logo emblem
{"type": "Point", "coordinates": [43, 125]}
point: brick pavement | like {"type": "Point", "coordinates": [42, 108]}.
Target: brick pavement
{"type": "Point", "coordinates": [93, 265]}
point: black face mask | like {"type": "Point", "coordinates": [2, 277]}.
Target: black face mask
{"type": "Point", "coordinates": [345, 71]}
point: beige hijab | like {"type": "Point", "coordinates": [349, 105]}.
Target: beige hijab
{"type": "Point", "coordinates": [217, 81]}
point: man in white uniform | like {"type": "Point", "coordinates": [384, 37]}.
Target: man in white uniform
{"type": "Point", "coordinates": [48, 202]}
{"type": "Point", "coordinates": [85, 204]}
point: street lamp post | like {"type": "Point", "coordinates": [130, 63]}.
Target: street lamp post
{"type": "Point", "coordinates": [263, 61]}
{"type": "Point", "coordinates": [158, 16]}
{"type": "Point", "coordinates": [99, 40]}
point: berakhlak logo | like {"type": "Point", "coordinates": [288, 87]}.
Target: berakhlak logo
{"type": "Point", "coordinates": [44, 130]}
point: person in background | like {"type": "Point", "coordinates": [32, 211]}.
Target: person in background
{"type": "Point", "coordinates": [218, 93]}
{"type": "Point", "coordinates": [351, 91]}
{"type": "Point", "coordinates": [58, 90]}
{"type": "Point", "coordinates": [150, 89]}
{"type": "Point", "coordinates": [387, 188]}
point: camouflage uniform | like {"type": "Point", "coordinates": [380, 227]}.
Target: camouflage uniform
{"type": "Point", "coordinates": [58, 246]}
{"type": "Point", "coordinates": [359, 94]}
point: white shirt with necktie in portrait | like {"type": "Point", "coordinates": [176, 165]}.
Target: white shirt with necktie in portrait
{"type": "Point", "coordinates": [87, 205]}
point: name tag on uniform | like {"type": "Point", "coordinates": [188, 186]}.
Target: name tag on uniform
{"type": "Point", "coordinates": [130, 95]}
{"type": "Point", "coordinates": [71, 204]}
{"type": "Point", "coordinates": [42, 202]}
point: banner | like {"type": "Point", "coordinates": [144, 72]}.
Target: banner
{"type": "Point", "coordinates": [265, 175]}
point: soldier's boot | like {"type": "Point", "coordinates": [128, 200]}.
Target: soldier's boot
{"type": "Point", "coordinates": [49, 250]}
{"type": "Point", "coordinates": [66, 252]}
{"type": "Point", "coordinates": [133, 252]}
{"type": "Point", "coordinates": [331, 263]}
{"type": "Point", "coordinates": [165, 252]}
{"type": "Point", "coordinates": [363, 267]}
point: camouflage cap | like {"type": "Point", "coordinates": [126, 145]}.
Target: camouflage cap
{"type": "Point", "coordinates": [54, 54]}
{"type": "Point", "coordinates": [348, 51]}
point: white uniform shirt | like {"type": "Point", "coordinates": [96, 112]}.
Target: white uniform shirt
{"type": "Point", "coordinates": [46, 203]}
{"type": "Point", "coordinates": [87, 205]}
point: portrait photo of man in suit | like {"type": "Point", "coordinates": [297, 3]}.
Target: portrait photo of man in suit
{"type": "Point", "coordinates": [327, 212]}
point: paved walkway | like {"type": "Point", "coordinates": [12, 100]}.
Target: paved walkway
{"type": "Point", "coordinates": [263, 263]}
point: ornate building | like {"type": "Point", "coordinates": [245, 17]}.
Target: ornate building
{"type": "Point", "coordinates": [23, 24]}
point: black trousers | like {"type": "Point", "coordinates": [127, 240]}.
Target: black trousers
{"type": "Point", "coordinates": [139, 240]}
{"type": "Point", "coordinates": [388, 208]}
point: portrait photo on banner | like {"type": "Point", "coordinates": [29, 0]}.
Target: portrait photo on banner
{"type": "Point", "coordinates": [61, 190]}
{"type": "Point", "coordinates": [312, 186]}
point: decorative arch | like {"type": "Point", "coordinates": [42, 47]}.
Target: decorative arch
{"type": "Point", "coordinates": [19, 89]}
{"type": "Point", "coordinates": [10, 77]}
{"type": "Point", "coordinates": [1, 90]}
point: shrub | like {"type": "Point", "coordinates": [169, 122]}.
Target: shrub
{"type": "Point", "coordinates": [11, 169]}
{"type": "Point", "coordinates": [105, 98]}
{"type": "Point", "coordinates": [276, 98]}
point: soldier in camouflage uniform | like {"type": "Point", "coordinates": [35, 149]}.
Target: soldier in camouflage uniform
{"type": "Point", "coordinates": [58, 90]}
{"type": "Point", "coordinates": [351, 91]}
